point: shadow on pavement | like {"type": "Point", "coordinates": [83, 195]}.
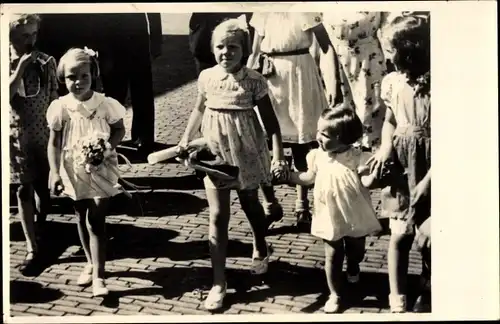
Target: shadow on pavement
{"type": "Point", "coordinates": [158, 204]}
{"type": "Point", "coordinates": [186, 182]}
{"type": "Point", "coordinates": [282, 279]}
{"type": "Point", "coordinates": [31, 292]}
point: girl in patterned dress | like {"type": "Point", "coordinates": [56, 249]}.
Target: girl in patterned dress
{"type": "Point", "coordinates": [295, 85]}
{"type": "Point", "coordinates": [406, 142]}
{"type": "Point", "coordinates": [343, 212]}
{"type": "Point", "coordinates": [78, 114]}
{"type": "Point", "coordinates": [227, 95]}
{"type": "Point", "coordinates": [362, 66]}
{"type": "Point", "coordinates": [33, 85]}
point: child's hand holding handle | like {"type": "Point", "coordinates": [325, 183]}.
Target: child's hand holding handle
{"type": "Point", "coordinates": [56, 185]}
{"type": "Point", "coordinates": [280, 172]}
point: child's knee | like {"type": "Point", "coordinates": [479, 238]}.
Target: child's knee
{"type": "Point", "coordinates": [219, 218]}
{"type": "Point", "coordinates": [25, 192]}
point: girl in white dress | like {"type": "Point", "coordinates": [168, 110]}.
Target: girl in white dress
{"type": "Point", "coordinates": [343, 213]}
{"type": "Point", "coordinates": [78, 114]}
{"type": "Point", "coordinates": [227, 95]}
{"type": "Point", "coordinates": [295, 86]}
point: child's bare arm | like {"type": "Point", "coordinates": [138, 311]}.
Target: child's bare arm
{"type": "Point", "coordinates": [194, 121]}
{"type": "Point", "coordinates": [54, 151]}
{"type": "Point", "coordinates": [272, 126]}
{"type": "Point", "coordinates": [302, 178]}
{"type": "Point", "coordinates": [117, 133]}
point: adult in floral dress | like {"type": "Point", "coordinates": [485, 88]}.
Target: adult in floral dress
{"type": "Point", "coordinates": [362, 65]}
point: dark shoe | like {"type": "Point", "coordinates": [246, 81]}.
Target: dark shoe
{"type": "Point", "coordinates": [31, 266]}
{"type": "Point", "coordinates": [423, 303]}
{"type": "Point", "coordinates": [303, 220]}
{"type": "Point", "coordinates": [273, 212]}
{"type": "Point", "coordinates": [143, 147]}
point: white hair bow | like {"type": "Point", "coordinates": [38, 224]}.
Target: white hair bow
{"type": "Point", "coordinates": [90, 52]}
{"type": "Point", "coordinates": [242, 22]}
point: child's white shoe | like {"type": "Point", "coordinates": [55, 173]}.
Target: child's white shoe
{"type": "Point", "coordinates": [99, 288]}
{"type": "Point", "coordinates": [85, 277]}
{"type": "Point", "coordinates": [397, 303]}
{"type": "Point", "coordinates": [261, 265]}
{"type": "Point", "coordinates": [215, 298]}
{"type": "Point", "coordinates": [332, 304]}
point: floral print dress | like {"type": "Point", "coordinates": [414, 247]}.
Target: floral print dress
{"type": "Point", "coordinates": [354, 37]}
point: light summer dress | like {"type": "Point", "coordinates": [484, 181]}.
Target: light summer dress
{"type": "Point", "coordinates": [232, 128]}
{"type": "Point", "coordinates": [77, 119]}
{"type": "Point", "coordinates": [342, 205]}
{"type": "Point", "coordinates": [295, 90]}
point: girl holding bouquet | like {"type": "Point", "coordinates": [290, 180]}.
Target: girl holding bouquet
{"type": "Point", "coordinates": [85, 128]}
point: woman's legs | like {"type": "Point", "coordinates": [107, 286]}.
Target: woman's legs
{"type": "Point", "coordinates": [219, 204]}
{"type": "Point", "coordinates": [27, 215]}
{"type": "Point", "coordinates": [42, 197]}
{"type": "Point", "coordinates": [249, 200]}
{"type": "Point", "coordinates": [299, 152]}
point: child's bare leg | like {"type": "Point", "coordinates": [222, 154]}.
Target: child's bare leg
{"type": "Point", "coordinates": [299, 153]}
{"type": "Point", "coordinates": [334, 259]}
{"type": "Point", "coordinates": [219, 204]}
{"type": "Point", "coordinates": [96, 226]}
{"type": "Point", "coordinates": [398, 259]}
{"type": "Point", "coordinates": [255, 214]}
{"type": "Point", "coordinates": [355, 252]}
{"type": "Point", "coordinates": [24, 195]}
{"type": "Point", "coordinates": [81, 211]}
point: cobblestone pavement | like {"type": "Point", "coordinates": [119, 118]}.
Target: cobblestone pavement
{"type": "Point", "coordinates": [158, 259]}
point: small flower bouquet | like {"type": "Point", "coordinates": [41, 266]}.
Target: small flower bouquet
{"type": "Point", "coordinates": [91, 151]}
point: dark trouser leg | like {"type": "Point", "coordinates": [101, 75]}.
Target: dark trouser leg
{"type": "Point", "coordinates": [141, 92]}
{"type": "Point", "coordinates": [355, 252]}
{"type": "Point", "coordinates": [116, 81]}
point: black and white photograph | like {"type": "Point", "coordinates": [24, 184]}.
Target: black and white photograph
{"type": "Point", "coordinates": [199, 160]}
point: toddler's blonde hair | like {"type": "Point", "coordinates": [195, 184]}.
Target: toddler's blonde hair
{"type": "Point", "coordinates": [77, 55]}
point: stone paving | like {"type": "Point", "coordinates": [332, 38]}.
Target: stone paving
{"type": "Point", "coordinates": [158, 259]}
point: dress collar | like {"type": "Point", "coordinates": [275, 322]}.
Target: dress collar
{"type": "Point", "coordinates": [221, 74]}
{"type": "Point", "coordinates": [87, 107]}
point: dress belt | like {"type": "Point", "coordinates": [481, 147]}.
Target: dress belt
{"type": "Point", "coordinates": [413, 130]}
{"type": "Point", "coordinates": [301, 51]}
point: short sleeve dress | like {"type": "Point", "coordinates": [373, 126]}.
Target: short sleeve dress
{"type": "Point", "coordinates": [295, 89]}
{"type": "Point", "coordinates": [232, 128]}
{"type": "Point", "coordinates": [412, 147]}
{"type": "Point", "coordinates": [29, 134]}
{"type": "Point", "coordinates": [77, 119]}
{"type": "Point", "coordinates": [354, 37]}
{"type": "Point", "coordinates": [342, 205]}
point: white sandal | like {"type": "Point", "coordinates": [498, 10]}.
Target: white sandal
{"type": "Point", "coordinates": [261, 265]}
{"type": "Point", "coordinates": [85, 277]}
{"type": "Point", "coordinates": [99, 288]}
{"type": "Point", "coordinates": [215, 298]}
{"type": "Point", "coordinates": [397, 303]}
{"type": "Point", "coordinates": [331, 305]}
